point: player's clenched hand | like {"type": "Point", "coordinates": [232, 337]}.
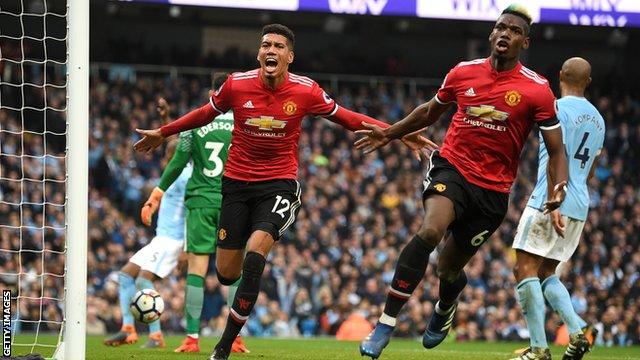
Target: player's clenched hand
{"type": "Point", "coordinates": [419, 144]}
{"type": "Point", "coordinates": [151, 206]}
{"type": "Point", "coordinates": [374, 138]}
{"type": "Point", "coordinates": [559, 192]}
{"type": "Point", "coordinates": [151, 139]}
{"type": "Point", "coordinates": [558, 222]}
{"type": "Point", "coordinates": [163, 110]}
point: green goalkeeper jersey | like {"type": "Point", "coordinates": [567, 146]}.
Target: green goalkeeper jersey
{"type": "Point", "coordinates": [207, 147]}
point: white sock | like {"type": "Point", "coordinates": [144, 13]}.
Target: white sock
{"type": "Point", "coordinates": [195, 336]}
{"type": "Point", "coordinates": [387, 320]}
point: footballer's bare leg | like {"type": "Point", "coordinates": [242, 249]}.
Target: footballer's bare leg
{"type": "Point", "coordinates": [197, 264]}
{"type": "Point", "coordinates": [258, 247]}
{"type": "Point", "coordinates": [451, 263]}
{"type": "Point", "coordinates": [132, 269]}
{"type": "Point", "coordinates": [229, 264]}
{"type": "Point", "coordinates": [410, 269]}
{"type": "Point", "coordinates": [547, 268]}
{"type": "Point", "coordinates": [527, 265]}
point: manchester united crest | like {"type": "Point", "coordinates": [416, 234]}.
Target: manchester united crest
{"type": "Point", "coordinates": [512, 98]}
{"type": "Point", "coordinates": [289, 107]}
{"type": "Point", "coordinates": [440, 187]}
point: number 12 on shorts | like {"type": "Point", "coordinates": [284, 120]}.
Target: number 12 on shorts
{"type": "Point", "coordinates": [281, 206]}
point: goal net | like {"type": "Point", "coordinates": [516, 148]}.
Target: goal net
{"type": "Point", "coordinates": [42, 271]}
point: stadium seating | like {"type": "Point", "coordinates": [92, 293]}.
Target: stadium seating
{"type": "Point", "coordinates": [357, 211]}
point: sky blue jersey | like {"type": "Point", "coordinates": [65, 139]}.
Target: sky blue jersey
{"type": "Point", "coordinates": [583, 136]}
{"type": "Point", "coordinates": [171, 215]}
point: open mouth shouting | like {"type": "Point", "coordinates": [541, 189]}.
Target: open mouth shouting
{"type": "Point", "coordinates": [502, 46]}
{"type": "Point", "coordinates": [270, 64]}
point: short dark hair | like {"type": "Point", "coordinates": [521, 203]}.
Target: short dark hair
{"type": "Point", "coordinates": [521, 12]}
{"type": "Point", "coordinates": [280, 30]}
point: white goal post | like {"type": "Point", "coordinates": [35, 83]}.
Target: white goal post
{"type": "Point", "coordinates": [44, 123]}
{"type": "Point", "coordinates": [77, 179]}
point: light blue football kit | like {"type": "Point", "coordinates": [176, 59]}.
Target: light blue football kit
{"type": "Point", "coordinates": [583, 136]}
{"type": "Point", "coordinates": [583, 133]}
{"type": "Point", "coordinates": [171, 215]}
{"type": "Point", "coordinates": [160, 256]}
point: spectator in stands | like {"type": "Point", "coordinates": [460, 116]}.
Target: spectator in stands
{"type": "Point", "coordinates": [340, 254]}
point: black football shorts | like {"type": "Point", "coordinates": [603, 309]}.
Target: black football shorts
{"type": "Point", "coordinates": [247, 206]}
{"type": "Point", "coordinates": [479, 211]}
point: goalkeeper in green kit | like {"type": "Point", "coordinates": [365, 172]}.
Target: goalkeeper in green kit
{"type": "Point", "coordinates": [207, 147]}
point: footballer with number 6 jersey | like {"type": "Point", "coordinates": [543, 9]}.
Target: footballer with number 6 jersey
{"type": "Point", "coordinates": [261, 195]}
{"type": "Point", "coordinates": [467, 186]}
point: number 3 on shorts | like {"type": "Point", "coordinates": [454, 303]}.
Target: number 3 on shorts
{"type": "Point", "coordinates": [281, 206]}
{"type": "Point", "coordinates": [479, 239]}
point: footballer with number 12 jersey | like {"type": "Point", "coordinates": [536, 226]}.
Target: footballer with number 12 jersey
{"type": "Point", "coordinates": [264, 145]}
{"type": "Point", "coordinates": [261, 195]}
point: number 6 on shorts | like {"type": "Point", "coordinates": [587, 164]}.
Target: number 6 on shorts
{"type": "Point", "coordinates": [479, 239]}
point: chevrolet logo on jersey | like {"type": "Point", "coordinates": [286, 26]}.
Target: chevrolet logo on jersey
{"type": "Point", "coordinates": [487, 113]}
{"type": "Point", "coordinates": [266, 123]}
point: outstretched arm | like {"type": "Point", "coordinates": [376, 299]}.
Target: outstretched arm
{"type": "Point", "coordinates": [353, 120]}
{"type": "Point", "coordinates": [357, 122]}
{"type": "Point", "coordinates": [153, 138]}
{"type": "Point", "coordinates": [421, 117]}
{"type": "Point", "coordinates": [219, 103]}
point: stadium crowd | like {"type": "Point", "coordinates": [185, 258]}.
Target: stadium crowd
{"type": "Point", "coordinates": [330, 272]}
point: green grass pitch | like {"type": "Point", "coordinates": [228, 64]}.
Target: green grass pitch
{"type": "Point", "coordinates": [312, 349]}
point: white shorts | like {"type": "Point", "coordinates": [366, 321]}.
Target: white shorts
{"type": "Point", "coordinates": [536, 235]}
{"type": "Point", "coordinates": [159, 256]}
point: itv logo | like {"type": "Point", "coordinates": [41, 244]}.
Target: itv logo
{"type": "Point", "coordinates": [373, 7]}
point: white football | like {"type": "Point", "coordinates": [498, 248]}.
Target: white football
{"type": "Point", "coordinates": [147, 306]}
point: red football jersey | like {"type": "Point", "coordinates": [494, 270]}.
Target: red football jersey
{"type": "Point", "coordinates": [267, 122]}
{"type": "Point", "coordinates": [496, 111]}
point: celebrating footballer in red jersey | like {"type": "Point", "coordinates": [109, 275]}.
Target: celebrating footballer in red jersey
{"type": "Point", "coordinates": [267, 126]}
{"type": "Point", "coordinates": [467, 185]}
{"type": "Point", "coordinates": [495, 113]}
{"type": "Point", "coordinates": [261, 196]}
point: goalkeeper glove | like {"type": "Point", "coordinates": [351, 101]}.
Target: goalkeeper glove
{"type": "Point", "coordinates": [151, 206]}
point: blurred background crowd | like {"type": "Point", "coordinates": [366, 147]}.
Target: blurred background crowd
{"type": "Point", "coordinates": [329, 274]}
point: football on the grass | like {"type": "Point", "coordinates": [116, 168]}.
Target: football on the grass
{"type": "Point", "coordinates": [147, 306]}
